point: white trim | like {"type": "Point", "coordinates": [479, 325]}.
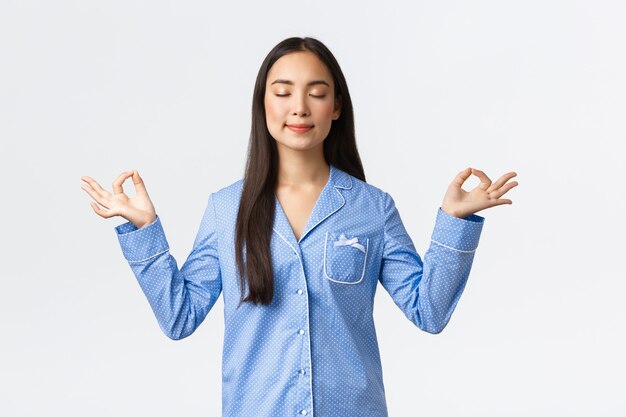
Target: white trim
{"type": "Point", "coordinates": [367, 243]}
{"type": "Point", "coordinates": [306, 232]}
{"type": "Point", "coordinates": [449, 247]}
{"type": "Point", "coordinates": [148, 258]}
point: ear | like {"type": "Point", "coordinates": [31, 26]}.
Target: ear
{"type": "Point", "coordinates": [337, 109]}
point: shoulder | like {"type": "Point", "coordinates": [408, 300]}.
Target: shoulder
{"type": "Point", "coordinates": [368, 188]}
{"type": "Point", "coordinates": [367, 191]}
{"type": "Point", "coordinates": [228, 195]}
{"type": "Point", "coordinates": [231, 189]}
{"type": "Point", "coordinates": [365, 197]}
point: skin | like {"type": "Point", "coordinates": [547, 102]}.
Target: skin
{"type": "Point", "coordinates": [302, 171]}
{"type": "Point", "coordinates": [139, 209]}
{"type": "Point", "coordinates": [460, 203]}
{"type": "Point", "coordinates": [299, 89]}
{"type": "Point", "coordinates": [290, 98]}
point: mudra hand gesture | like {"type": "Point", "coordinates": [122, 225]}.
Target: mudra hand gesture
{"type": "Point", "coordinates": [137, 210]}
{"type": "Point", "coordinates": [460, 203]}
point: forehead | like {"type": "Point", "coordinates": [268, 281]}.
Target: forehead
{"type": "Point", "coordinates": [300, 68]}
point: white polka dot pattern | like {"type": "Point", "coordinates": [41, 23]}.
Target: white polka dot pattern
{"type": "Point", "coordinates": [313, 350]}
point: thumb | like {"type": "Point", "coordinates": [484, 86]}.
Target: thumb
{"type": "Point", "coordinates": [138, 181]}
{"type": "Point", "coordinates": [462, 176]}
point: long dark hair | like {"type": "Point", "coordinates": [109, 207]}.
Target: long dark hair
{"type": "Point", "coordinates": [253, 230]}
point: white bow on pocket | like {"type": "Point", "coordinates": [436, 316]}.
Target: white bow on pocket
{"type": "Point", "coordinates": [350, 242]}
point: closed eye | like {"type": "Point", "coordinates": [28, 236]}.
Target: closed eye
{"type": "Point", "coordinates": [312, 95]}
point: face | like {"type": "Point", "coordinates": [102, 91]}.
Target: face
{"type": "Point", "coordinates": [300, 104]}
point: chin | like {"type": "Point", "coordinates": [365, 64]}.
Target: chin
{"type": "Point", "coordinates": [302, 145]}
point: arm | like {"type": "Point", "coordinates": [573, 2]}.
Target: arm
{"type": "Point", "coordinates": [180, 299]}
{"type": "Point", "coordinates": [427, 292]}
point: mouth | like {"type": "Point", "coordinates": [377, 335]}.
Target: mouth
{"type": "Point", "coordinates": [300, 128]}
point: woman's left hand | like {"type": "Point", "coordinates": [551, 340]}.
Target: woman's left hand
{"type": "Point", "coordinates": [460, 203]}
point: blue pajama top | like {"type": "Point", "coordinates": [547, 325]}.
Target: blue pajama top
{"type": "Point", "coordinates": [313, 351]}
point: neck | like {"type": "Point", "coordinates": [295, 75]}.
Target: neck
{"type": "Point", "coordinates": [298, 171]}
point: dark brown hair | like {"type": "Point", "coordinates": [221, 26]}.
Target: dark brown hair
{"type": "Point", "coordinates": [253, 230]}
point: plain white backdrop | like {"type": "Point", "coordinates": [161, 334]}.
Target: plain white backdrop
{"type": "Point", "coordinates": [537, 87]}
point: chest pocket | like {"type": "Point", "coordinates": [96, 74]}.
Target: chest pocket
{"type": "Point", "coordinates": [345, 257]}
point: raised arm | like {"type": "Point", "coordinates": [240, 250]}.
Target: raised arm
{"type": "Point", "coordinates": [428, 291]}
{"type": "Point", "coordinates": [180, 298]}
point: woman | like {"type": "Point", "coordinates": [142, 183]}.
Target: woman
{"type": "Point", "coordinates": [297, 247]}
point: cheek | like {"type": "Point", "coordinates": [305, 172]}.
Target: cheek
{"type": "Point", "coordinates": [272, 110]}
{"type": "Point", "coordinates": [327, 110]}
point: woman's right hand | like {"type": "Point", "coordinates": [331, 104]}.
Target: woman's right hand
{"type": "Point", "coordinates": [137, 210]}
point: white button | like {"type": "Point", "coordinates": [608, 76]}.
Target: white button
{"type": "Point", "coordinates": [299, 291]}
{"type": "Point", "coordinates": [303, 412]}
{"type": "Point", "coordinates": [302, 372]}
{"type": "Point", "coordinates": [301, 331]}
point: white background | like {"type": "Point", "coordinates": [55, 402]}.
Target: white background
{"type": "Point", "coordinates": [96, 88]}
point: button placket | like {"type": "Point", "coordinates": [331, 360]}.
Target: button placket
{"type": "Point", "coordinates": [302, 374]}
{"type": "Point", "coordinates": [306, 385]}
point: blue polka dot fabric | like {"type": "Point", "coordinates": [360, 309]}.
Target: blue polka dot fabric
{"type": "Point", "coordinates": [313, 350]}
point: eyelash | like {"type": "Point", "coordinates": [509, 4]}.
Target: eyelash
{"type": "Point", "coordinates": [312, 95]}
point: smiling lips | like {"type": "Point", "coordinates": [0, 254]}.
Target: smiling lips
{"type": "Point", "coordinates": [300, 128]}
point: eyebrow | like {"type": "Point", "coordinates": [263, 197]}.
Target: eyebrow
{"type": "Point", "coordinates": [314, 82]}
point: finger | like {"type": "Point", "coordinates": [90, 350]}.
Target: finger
{"type": "Point", "coordinates": [95, 186]}
{"type": "Point", "coordinates": [102, 213]}
{"type": "Point", "coordinates": [117, 184]}
{"type": "Point", "coordinates": [485, 182]}
{"type": "Point", "coordinates": [501, 191]}
{"type": "Point", "coordinates": [501, 181]}
{"type": "Point", "coordinates": [101, 200]}
{"type": "Point", "coordinates": [138, 181]}
{"type": "Point", "coordinates": [462, 176]}
{"type": "Point", "coordinates": [503, 201]}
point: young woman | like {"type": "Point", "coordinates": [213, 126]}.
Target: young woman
{"type": "Point", "coordinates": [297, 248]}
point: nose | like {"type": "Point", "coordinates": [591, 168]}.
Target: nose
{"type": "Point", "coordinates": [300, 106]}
